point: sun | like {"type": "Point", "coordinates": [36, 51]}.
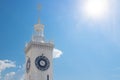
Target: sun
{"type": "Point", "coordinates": [96, 8]}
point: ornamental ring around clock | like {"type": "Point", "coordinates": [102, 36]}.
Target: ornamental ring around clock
{"type": "Point", "coordinates": [28, 65]}
{"type": "Point", "coordinates": [42, 63]}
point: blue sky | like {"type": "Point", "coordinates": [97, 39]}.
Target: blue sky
{"type": "Point", "coordinates": [91, 48]}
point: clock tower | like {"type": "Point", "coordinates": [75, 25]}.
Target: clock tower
{"type": "Point", "coordinates": [39, 58]}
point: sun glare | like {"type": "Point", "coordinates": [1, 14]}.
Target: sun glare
{"type": "Point", "coordinates": [96, 8]}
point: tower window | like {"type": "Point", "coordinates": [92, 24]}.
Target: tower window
{"type": "Point", "coordinates": [47, 77]}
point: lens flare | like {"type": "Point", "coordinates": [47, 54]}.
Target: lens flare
{"type": "Point", "coordinates": [96, 8]}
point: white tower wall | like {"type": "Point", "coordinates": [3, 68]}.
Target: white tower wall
{"type": "Point", "coordinates": [37, 47]}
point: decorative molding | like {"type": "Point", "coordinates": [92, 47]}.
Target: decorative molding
{"type": "Point", "coordinates": [40, 45]}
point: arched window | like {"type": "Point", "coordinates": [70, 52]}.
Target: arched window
{"type": "Point", "coordinates": [47, 77]}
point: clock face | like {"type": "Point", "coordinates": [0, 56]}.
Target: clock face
{"type": "Point", "coordinates": [42, 63]}
{"type": "Point", "coordinates": [28, 65]}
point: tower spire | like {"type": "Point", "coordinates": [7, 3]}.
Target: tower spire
{"type": "Point", "coordinates": [39, 9]}
{"type": "Point", "coordinates": [39, 29]}
{"type": "Point", "coordinates": [38, 20]}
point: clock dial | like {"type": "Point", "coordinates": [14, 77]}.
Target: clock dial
{"type": "Point", "coordinates": [42, 63]}
{"type": "Point", "coordinates": [28, 65]}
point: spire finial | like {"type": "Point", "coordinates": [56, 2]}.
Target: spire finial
{"type": "Point", "coordinates": [39, 8]}
{"type": "Point", "coordinates": [38, 20]}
